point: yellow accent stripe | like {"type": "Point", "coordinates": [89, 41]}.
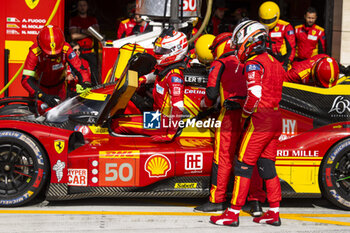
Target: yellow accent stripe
{"type": "Point", "coordinates": [235, 190]}
{"type": "Point", "coordinates": [212, 193]}
{"type": "Point", "coordinates": [331, 80]}
{"type": "Point", "coordinates": [316, 220]}
{"type": "Point", "coordinates": [52, 39]}
{"type": "Point", "coordinates": [93, 96]}
{"type": "Point", "coordinates": [29, 73]}
{"type": "Point", "coordinates": [217, 137]}
{"type": "Point", "coordinates": [336, 90]}
{"type": "Point", "coordinates": [131, 126]}
{"type": "Point", "coordinates": [245, 141]}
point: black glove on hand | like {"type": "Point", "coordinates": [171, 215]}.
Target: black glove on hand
{"type": "Point", "coordinates": [51, 100]}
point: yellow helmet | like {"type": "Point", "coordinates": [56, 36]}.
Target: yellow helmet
{"type": "Point", "coordinates": [202, 48]}
{"type": "Point", "coordinates": [269, 14]}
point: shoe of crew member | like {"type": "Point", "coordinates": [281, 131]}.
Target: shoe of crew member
{"type": "Point", "coordinates": [255, 209]}
{"type": "Point", "coordinates": [228, 218]}
{"type": "Point", "coordinates": [269, 217]}
{"type": "Point", "coordinates": [210, 207]}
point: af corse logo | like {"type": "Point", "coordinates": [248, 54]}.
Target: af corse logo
{"type": "Point", "coordinates": [151, 120]}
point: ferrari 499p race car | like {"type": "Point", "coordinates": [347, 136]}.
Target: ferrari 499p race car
{"type": "Point", "coordinates": [71, 152]}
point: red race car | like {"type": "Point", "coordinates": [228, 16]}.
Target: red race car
{"type": "Point", "coordinates": [70, 152]}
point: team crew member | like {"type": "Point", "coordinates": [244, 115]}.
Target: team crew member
{"type": "Point", "coordinates": [264, 76]}
{"type": "Point", "coordinates": [320, 70]}
{"type": "Point", "coordinates": [141, 26]}
{"type": "Point", "coordinates": [126, 26]}
{"type": "Point", "coordinates": [310, 38]}
{"type": "Point", "coordinates": [71, 78]}
{"type": "Point", "coordinates": [280, 32]}
{"type": "Point", "coordinates": [225, 81]}
{"type": "Point", "coordinates": [170, 49]}
{"type": "Point", "coordinates": [44, 68]}
{"type": "Point", "coordinates": [78, 26]}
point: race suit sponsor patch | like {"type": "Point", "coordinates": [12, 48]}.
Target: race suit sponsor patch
{"type": "Point", "coordinates": [72, 55]}
{"type": "Point", "coordinates": [252, 67]}
{"type": "Point", "coordinates": [175, 79]}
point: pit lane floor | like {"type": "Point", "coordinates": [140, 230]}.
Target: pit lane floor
{"type": "Point", "coordinates": [163, 215]}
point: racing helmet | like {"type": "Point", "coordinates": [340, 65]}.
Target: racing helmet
{"type": "Point", "coordinates": [249, 38]}
{"type": "Point", "coordinates": [325, 72]}
{"type": "Point", "coordinates": [221, 44]}
{"type": "Point", "coordinates": [269, 14]}
{"type": "Point", "coordinates": [170, 46]}
{"type": "Point", "coordinates": [202, 48]}
{"type": "Point", "coordinates": [51, 40]}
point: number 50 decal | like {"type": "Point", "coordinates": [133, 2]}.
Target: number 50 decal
{"type": "Point", "coordinates": [117, 172]}
{"type": "Point", "coordinates": [189, 5]}
{"type": "Point", "coordinates": [112, 168]}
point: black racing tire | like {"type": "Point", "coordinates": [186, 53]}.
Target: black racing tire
{"type": "Point", "coordinates": [334, 175]}
{"type": "Point", "coordinates": [24, 168]}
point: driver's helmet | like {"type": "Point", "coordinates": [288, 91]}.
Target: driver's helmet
{"type": "Point", "coordinates": [249, 38]}
{"type": "Point", "coordinates": [202, 45]}
{"type": "Point", "coordinates": [325, 72]}
{"type": "Point", "coordinates": [221, 44]}
{"type": "Point", "coordinates": [51, 40]}
{"type": "Point", "coordinates": [170, 47]}
{"type": "Point", "coordinates": [269, 14]}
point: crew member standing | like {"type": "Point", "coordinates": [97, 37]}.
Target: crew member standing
{"type": "Point", "coordinates": [261, 121]}
{"type": "Point", "coordinates": [126, 26]}
{"type": "Point", "coordinates": [281, 33]}
{"type": "Point", "coordinates": [226, 82]}
{"type": "Point", "coordinates": [310, 38]}
{"type": "Point", "coordinates": [78, 26]}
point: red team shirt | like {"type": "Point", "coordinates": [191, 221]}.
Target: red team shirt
{"type": "Point", "coordinates": [87, 43]}
{"type": "Point", "coordinates": [283, 36]}
{"type": "Point", "coordinates": [310, 41]}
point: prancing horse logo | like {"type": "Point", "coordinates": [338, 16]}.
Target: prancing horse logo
{"type": "Point", "coordinates": [32, 3]}
{"type": "Point", "coordinates": [59, 146]}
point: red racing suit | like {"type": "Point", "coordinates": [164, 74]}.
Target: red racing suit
{"type": "Point", "coordinates": [168, 95]}
{"type": "Point", "coordinates": [125, 28]}
{"type": "Point", "coordinates": [227, 82]}
{"type": "Point", "coordinates": [42, 73]}
{"type": "Point", "coordinates": [86, 44]}
{"type": "Point", "coordinates": [284, 47]}
{"type": "Point", "coordinates": [71, 85]}
{"type": "Point", "coordinates": [264, 75]}
{"type": "Point", "coordinates": [310, 41]}
{"type": "Point", "coordinates": [301, 71]}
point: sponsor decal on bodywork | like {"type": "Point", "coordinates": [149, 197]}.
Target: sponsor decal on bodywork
{"type": "Point", "coordinates": [58, 168]}
{"type": "Point", "coordinates": [59, 145]}
{"type": "Point", "coordinates": [298, 153]}
{"type": "Point", "coordinates": [193, 161]}
{"type": "Point", "coordinates": [77, 177]}
{"type": "Point", "coordinates": [157, 165]}
{"type": "Point", "coordinates": [185, 185]}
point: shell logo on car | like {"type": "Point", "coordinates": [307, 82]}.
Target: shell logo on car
{"type": "Point", "coordinates": [157, 165]}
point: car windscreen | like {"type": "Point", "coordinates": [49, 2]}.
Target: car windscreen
{"type": "Point", "coordinates": [89, 103]}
